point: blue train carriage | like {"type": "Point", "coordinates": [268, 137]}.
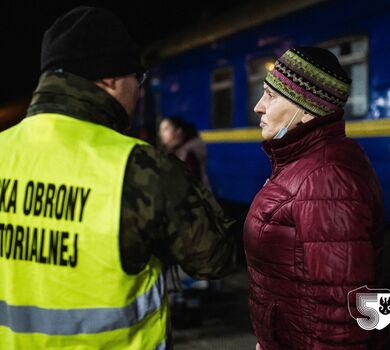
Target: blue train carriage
{"type": "Point", "coordinates": [214, 80]}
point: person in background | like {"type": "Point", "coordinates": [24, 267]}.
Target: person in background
{"type": "Point", "coordinates": [93, 216]}
{"type": "Point", "coordinates": [182, 139]}
{"type": "Point", "coordinates": [314, 231]}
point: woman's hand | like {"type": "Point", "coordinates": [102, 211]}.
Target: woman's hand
{"type": "Point", "coordinates": [258, 346]}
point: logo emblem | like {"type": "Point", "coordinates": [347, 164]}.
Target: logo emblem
{"type": "Point", "coordinates": [372, 304]}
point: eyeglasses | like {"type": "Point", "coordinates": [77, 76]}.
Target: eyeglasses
{"type": "Point", "coordinates": [141, 77]}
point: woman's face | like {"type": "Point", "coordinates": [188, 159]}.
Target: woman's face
{"type": "Point", "coordinates": [275, 112]}
{"type": "Point", "coordinates": [169, 135]}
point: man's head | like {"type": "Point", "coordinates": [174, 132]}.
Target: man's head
{"type": "Point", "coordinates": [94, 44]}
{"type": "Point", "coordinates": [306, 83]}
{"type": "Point", "coordinates": [124, 89]}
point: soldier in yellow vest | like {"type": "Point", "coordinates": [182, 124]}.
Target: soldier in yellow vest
{"type": "Point", "coordinates": [88, 216]}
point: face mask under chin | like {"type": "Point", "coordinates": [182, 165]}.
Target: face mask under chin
{"type": "Point", "coordinates": [284, 130]}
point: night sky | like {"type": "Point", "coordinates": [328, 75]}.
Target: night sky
{"type": "Point", "coordinates": [22, 24]}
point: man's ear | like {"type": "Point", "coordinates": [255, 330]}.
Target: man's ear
{"type": "Point", "coordinates": [307, 117]}
{"type": "Point", "coordinates": [108, 84]}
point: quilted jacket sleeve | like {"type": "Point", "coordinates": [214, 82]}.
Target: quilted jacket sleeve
{"type": "Point", "coordinates": [337, 213]}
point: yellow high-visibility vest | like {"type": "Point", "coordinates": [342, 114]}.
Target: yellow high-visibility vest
{"type": "Point", "coordinates": [61, 281]}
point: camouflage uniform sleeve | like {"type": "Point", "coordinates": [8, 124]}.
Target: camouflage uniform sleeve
{"type": "Point", "coordinates": [175, 217]}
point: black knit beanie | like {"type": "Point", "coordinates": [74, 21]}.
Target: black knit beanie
{"type": "Point", "coordinates": [92, 43]}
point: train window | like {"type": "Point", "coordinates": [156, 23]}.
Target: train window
{"type": "Point", "coordinates": [352, 53]}
{"type": "Point", "coordinates": [257, 70]}
{"type": "Point", "coordinates": [222, 97]}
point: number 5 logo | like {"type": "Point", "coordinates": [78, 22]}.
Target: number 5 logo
{"type": "Point", "coordinates": [374, 304]}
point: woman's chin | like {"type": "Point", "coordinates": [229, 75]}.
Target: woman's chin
{"type": "Point", "coordinates": [266, 135]}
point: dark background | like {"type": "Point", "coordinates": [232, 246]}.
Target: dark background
{"type": "Point", "coordinates": [22, 24]}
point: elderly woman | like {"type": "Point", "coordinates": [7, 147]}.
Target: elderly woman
{"type": "Point", "coordinates": [313, 231]}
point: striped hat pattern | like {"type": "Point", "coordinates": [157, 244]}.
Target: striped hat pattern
{"type": "Point", "coordinates": [312, 78]}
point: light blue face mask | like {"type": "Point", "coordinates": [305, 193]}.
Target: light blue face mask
{"type": "Point", "coordinates": [284, 130]}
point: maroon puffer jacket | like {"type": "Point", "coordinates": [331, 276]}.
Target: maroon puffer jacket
{"type": "Point", "coordinates": [312, 234]}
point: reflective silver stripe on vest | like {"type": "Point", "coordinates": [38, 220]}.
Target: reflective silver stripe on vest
{"type": "Point", "coordinates": [31, 319]}
{"type": "Point", "coordinates": [161, 346]}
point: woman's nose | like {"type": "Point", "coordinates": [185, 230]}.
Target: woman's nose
{"type": "Point", "coordinates": [260, 107]}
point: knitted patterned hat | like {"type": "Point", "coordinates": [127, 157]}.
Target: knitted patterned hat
{"type": "Point", "coordinates": [312, 78]}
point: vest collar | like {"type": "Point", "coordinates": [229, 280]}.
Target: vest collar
{"type": "Point", "coordinates": [69, 94]}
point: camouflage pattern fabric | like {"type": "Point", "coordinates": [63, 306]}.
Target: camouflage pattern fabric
{"type": "Point", "coordinates": [165, 211]}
